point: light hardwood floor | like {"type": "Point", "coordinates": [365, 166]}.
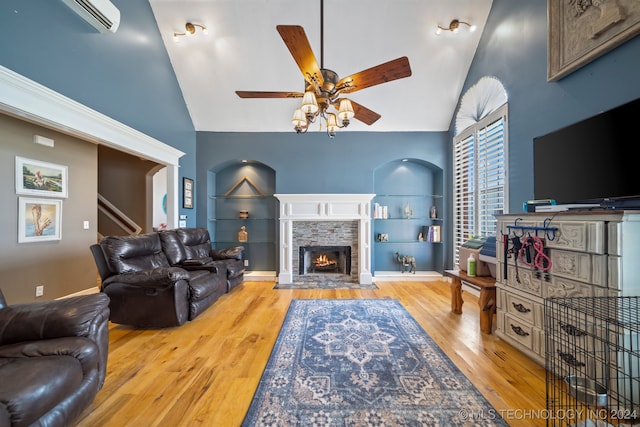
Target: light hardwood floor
{"type": "Point", "coordinates": [206, 371]}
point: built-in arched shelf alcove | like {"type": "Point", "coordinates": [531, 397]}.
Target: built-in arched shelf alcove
{"type": "Point", "coordinates": [240, 194]}
{"type": "Point", "coordinates": [408, 212]}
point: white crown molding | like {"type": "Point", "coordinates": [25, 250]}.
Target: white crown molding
{"type": "Point", "coordinates": [33, 102]}
{"type": "Point", "coordinates": [22, 97]}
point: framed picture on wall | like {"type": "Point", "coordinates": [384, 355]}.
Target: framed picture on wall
{"type": "Point", "coordinates": [187, 193]}
{"type": "Point", "coordinates": [581, 31]}
{"type": "Point", "coordinates": [39, 220]}
{"type": "Point", "coordinates": [37, 178]}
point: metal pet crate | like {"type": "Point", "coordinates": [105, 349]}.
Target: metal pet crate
{"type": "Point", "coordinates": [592, 357]}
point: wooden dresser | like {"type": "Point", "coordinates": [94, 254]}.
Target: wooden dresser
{"type": "Point", "coordinates": [592, 253]}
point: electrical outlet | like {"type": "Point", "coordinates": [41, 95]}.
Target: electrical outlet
{"type": "Point", "coordinates": [246, 263]}
{"type": "Point", "coordinates": [39, 290]}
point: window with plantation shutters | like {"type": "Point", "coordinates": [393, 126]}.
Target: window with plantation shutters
{"type": "Point", "coordinates": [480, 178]}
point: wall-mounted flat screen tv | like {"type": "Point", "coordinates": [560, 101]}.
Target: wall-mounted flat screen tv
{"type": "Point", "coordinates": [590, 161]}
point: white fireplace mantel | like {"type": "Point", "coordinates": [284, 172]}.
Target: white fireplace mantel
{"type": "Point", "coordinates": [325, 207]}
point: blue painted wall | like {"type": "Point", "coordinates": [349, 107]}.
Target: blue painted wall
{"type": "Point", "coordinates": [313, 163]}
{"type": "Point", "coordinates": [126, 76]}
{"type": "Point", "coordinates": [513, 48]}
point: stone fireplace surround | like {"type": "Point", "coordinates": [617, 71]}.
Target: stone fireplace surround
{"type": "Point", "coordinates": [316, 208]}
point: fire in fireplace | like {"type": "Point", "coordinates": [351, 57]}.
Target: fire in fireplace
{"type": "Point", "coordinates": [325, 259]}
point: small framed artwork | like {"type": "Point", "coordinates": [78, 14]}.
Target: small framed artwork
{"type": "Point", "coordinates": [187, 193]}
{"type": "Point", "coordinates": [39, 220]}
{"type": "Point", "coordinates": [37, 178]}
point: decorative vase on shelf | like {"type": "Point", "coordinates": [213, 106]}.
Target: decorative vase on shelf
{"type": "Point", "coordinates": [243, 236]}
{"type": "Point", "coordinates": [408, 212]}
{"type": "Point", "coordinates": [433, 213]}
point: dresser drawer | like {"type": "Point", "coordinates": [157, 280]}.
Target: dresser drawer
{"type": "Point", "coordinates": [614, 243]}
{"type": "Point", "coordinates": [570, 330]}
{"type": "Point", "coordinates": [563, 359]}
{"type": "Point", "coordinates": [582, 236]}
{"type": "Point", "coordinates": [559, 287]}
{"type": "Point", "coordinates": [613, 273]}
{"type": "Point", "coordinates": [519, 331]}
{"type": "Point", "coordinates": [579, 266]}
{"type": "Point", "coordinates": [525, 280]}
{"type": "Point", "coordinates": [524, 309]}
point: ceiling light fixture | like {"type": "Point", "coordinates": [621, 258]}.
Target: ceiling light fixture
{"type": "Point", "coordinates": [190, 30]}
{"type": "Point", "coordinates": [454, 26]}
{"type": "Point", "coordinates": [315, 103]}
{"type": "Point", "coordinates": [318, 98]}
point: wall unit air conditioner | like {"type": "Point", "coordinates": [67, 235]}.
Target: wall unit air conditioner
{"type": "Point", "coordinates": [101, 14]}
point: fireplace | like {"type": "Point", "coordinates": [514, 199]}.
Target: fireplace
{"type": "Point", "coordinates": [325, 220]}
{"type": "Point", "coordinates": [325, 260]}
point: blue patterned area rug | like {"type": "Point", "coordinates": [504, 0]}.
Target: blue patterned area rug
{"type": "Point", "coordinates": [361, 363]}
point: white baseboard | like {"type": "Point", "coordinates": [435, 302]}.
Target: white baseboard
{"type": "Point", "coordinates": [419, 276]}
{"type": "Point", "coordinates": [260, 276]}
{"type": "Point", "coordinates": [92, 290]}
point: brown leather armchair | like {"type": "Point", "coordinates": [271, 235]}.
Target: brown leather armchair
{"type": "Point", "coordinates": [53, 359]}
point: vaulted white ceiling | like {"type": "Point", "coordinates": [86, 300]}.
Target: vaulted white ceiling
{"type": "Point", "coordinates": [243, 51]}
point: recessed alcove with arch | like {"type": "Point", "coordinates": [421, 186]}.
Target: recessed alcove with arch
{"type": "Point", "coordinates": [408, 218]}
{"type": "Point", "coordinates": [240, 194]}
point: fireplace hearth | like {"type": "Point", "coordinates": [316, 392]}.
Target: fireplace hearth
{"type": "Point", "coordinates": [324, 260]}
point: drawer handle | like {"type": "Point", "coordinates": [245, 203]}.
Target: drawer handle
{"type": "Point", "coordinates": [521, 308]}
{"type": "Point", "coordinates": [518, 330]}
{"type": "Point", "coordinates": [570, 359]}
{"type": "Point", "coordinates": [572, 330]}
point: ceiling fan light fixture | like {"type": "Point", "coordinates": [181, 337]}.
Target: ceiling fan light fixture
{"type": "Point", "coordinates": [345, 111]}
{"type": "Point", "coordinates": [332, 125]}
{"type": "Point", "coordinates": [299, 121]}
{"type": "Point", "coordinates": [323, 87]}
{"type": "Point", "coordinates": [309, 103]}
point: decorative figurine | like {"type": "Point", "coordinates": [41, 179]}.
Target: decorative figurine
{"type": "Point", "coordinates": [433, 213]}
{"type": "Point", "coordinates": [405, 262]}
{"type": "Point", "coordinates": [242, 234]}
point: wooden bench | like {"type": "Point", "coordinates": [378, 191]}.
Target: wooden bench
{"type": "Point", "coordinates": [487, 300]}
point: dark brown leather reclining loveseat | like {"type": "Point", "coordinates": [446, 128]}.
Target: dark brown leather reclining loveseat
{"type": "Point", "coordinates": [190, 248]}
{"type": "Point", "coordinates": [53, 359]}
{"type": "Point", "coordinates": [165, 278]}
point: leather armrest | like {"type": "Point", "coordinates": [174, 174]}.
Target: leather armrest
{"type": "Point", "coordinates": [83, 349]}
{"type": "Point", "coordinates": [164, 276]}
{"type": "Point", "coordinates": [235, 252]}
{"type": "Point", "coordinates": [67, 317]}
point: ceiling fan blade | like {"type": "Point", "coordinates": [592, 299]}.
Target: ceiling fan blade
{"type": "Point", "coordinates": [392, 70]}
{"type": "Point", "coordinates": [298, 43]}
{"type": "Point", "coordinates": [258, 94]}
{"type": "Point", "coordinates": [363, 114]}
